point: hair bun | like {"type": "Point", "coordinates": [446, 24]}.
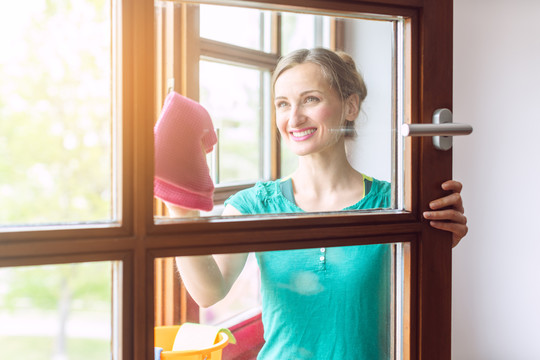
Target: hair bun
{"type": "Point", "coordinates": [347, 59]}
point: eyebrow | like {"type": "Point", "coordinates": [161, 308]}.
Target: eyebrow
{"type": "Point", "coordinates": [303, 93]}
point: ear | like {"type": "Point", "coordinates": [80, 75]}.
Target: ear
{"type": "Point", "coordinates": [352, 107]}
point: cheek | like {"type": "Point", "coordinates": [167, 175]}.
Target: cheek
{"type": "Point", "coordinates": [281, 124]}
{"type": "Point", "coordinates": [327, 116]}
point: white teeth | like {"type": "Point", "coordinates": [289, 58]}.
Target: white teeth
{"type": "Point", "coordinates": [303, 133]}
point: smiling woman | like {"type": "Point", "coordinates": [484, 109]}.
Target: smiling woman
{"type": "Point", "coordinates": [308, 107]}
{"type": "Point", "coordinates": [301, 297]}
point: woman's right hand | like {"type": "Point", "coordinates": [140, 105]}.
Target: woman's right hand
{"type": "Point", "coordinates": [181, 212]}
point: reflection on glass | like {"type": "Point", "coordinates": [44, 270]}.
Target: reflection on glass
{"type": "Point", "coordinates": [323, 303]}
{"type": "Point", "coordinates": [55, 111]}
{"type": "Point", "coordinates": [56, 312]}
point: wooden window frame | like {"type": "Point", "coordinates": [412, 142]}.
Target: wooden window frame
{"type": "Point", "coordinates": [136, 241]}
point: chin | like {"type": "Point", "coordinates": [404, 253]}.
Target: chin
{"type": "Point", "coordinates": [308, 149]}
{"type": "Point", "coordinates": [299, 149]}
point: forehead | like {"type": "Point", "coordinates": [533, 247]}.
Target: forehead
{"type": "Point", "coordinates": [300, 78]}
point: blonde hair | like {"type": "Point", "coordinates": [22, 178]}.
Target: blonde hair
{"type": "Point", "coordinates": [338, 68]}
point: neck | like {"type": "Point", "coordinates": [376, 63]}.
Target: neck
{"type": "Point", "coordinates": [331, 187]}
{"type": "Point", "coordinates": [324, 171]}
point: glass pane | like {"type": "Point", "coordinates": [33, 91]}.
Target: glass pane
{"type": "Point", "coordinates": [238, 98]}
{"type": "Point", "coordinates": [232, 96]}
{"type": "Point", "coordinates": [55, 111]}
{"type": "Point", "coordinates": [221, 23]}
{"type": "Point", "coordinates": [304, 31]}
{"type": "Point", "coordinates": [371, 151]}
{"type": "Point", "coordinates": [56, 312]}
{"type": "Point", "coordinates": [324, 303]}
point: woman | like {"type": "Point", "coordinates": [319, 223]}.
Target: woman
{"type": "Point", "coordinates": [318, 303]}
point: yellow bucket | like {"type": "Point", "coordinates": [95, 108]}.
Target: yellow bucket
{"type": "Point", "coordinates": [164, 337]}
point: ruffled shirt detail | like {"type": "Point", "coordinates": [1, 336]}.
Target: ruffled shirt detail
{"type": "Point", "coordinates": [267, 198]}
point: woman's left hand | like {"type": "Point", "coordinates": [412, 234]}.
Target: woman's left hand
{"type": "Point", "coordinates": [447, 212]}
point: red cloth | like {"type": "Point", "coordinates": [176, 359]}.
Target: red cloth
{"type": "Point", "coordinates": [183, 135]}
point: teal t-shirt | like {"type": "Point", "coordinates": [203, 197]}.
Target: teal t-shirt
{"type": "Point", "coordinates": [324, 303]}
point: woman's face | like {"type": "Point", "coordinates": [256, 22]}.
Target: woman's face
{"type": "Point", "coordinates": [309, 113]}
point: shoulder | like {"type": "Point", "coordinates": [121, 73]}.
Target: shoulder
{"type": "Point", "coordinates": [381, 187]}
{"type": "Point", "coordinates": [256, 199]}
{"type": "Point", "coordinates": [379, 196]}
{"type": "Point", "coordinates": [261, 190]}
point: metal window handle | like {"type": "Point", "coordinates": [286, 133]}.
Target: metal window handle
{"type": "Point", "coordinates": [442, 129]}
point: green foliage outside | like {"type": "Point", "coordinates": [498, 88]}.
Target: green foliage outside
{"type": "Point", "coordinates": [39, 348]}
{"type": "Point", "coordinates": [40, 287]}
{"type": "Point", "coordinates": [55, 112]}
{"type": "Point", "coordinates": [55, 166]}
{"type": "Point", "coordinates": [56, 292]}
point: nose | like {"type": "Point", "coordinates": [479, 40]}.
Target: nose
{"type": "Point", "coordinates": [296, 116]}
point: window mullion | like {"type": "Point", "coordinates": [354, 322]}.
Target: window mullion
{"type": "Point", "coordinates": [237, 55]}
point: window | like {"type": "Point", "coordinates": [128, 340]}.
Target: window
{"type": "Point", "coordinates": [57, 311]}
{"type": "Point", "coordinates": [125, 234]}
{"type": "Point", "coordinates": [60, 180]}
{"type": "Point", "coordinates": [234, 69]}
{"type": "Point", "coordinates": [402, 93]}
{"type": "Point", "coordinates": [56, 152]}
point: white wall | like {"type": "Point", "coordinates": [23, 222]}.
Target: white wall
{"type": "Point", "coordinates": [496, 284]}
{"type": "Point", "coordinates": [370, 43]}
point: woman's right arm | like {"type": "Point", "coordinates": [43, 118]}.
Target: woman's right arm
{"type": "Point", "coordinates": [208, 278]}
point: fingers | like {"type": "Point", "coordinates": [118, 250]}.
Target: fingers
{"type": "Point", "coordinates": [447, 212]}
{"type": "Point", "coordinates": [458, 230]}
{"type": "Point", "coordinates": [449, 220]}
{"type": "Point", "coordinates": [449, 215]}
{"type": "Point", "coordinates": [453, 200]}
{"type": "Point", "coordinates": [179, 211]}
{"type": "Point", "coordinates": [452, 185]}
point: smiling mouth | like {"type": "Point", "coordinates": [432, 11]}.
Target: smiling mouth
{"type": "Point", "coordinates": [299, 134]}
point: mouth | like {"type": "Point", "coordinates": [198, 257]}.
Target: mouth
{"type": "Point", "coordinates": [304, 134]}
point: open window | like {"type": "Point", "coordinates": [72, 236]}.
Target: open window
{"type": "Point", "coordinates": [234, 67]}
{"type": "Point", "coordinates": [126, 59]}
{"type": "Point", "coordinates": [383, 43]}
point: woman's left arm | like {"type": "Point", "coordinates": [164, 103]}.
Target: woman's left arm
{"type": "Point", "coordinates": [447, 212]}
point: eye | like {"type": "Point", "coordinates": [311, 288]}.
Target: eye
{"type": "Point", "coordinates": [281, 104]}
{"type": "Point", "coordinates": [311, 99]}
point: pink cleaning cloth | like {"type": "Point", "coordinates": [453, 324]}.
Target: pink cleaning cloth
{"type": "Point", "coordinates": [183, 135]}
